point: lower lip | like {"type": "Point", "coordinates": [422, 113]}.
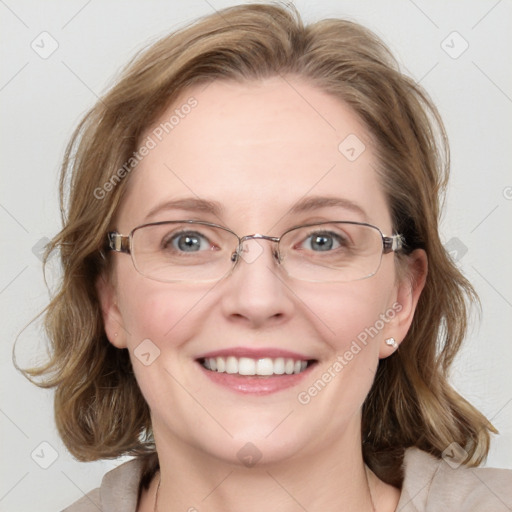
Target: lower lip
{"type": "Point", "coordinates": [253, 384]}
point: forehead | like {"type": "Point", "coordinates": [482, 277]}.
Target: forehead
{"type": "Point", "coordinates": [256, 149]}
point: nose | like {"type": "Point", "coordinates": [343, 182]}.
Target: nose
{"type": "Point", "coordinates": [256, 293]}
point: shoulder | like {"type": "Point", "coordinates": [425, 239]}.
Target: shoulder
{"type": "Point", "coordinates": [435, 484]}
{"type": "Point", "coordinates": [118, 491]}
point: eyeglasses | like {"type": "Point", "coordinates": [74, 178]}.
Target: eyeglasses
{"type": "Point", "coordinates": [197, 251]}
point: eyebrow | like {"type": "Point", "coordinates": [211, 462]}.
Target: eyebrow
{"type": "Point", "coordinates": [190, 204]}
{"type": "Point", "coordinates": [311, 203]}
{"type": "Point", "coordinates": [305, 205]}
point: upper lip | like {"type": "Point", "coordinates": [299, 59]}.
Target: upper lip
{"type": "Point", "coordinates": [255, 353]}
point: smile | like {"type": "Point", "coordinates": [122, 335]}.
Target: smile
{"type": "Point", "coordinates": [265, 366]}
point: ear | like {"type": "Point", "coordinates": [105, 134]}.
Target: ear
{"type": "Point", "coordinates": [407, 293]}
{"type": "Point", "coordinates": [112, 318]}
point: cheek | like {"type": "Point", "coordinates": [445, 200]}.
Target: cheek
{"type": "Point", "coordinates": [351, 312]}
{"type": "Point", "coordinates": [160, 319]}
{"type": "Point", "coordinates": [161, 312]}
{"type": "Point", "coordinates": [350, 318]}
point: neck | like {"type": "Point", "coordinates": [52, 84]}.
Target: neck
{"type": "Point", "coordinates": [335, 479]}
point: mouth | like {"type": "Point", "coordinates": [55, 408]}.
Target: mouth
{"type": "Point", "coordinates": [261, 366]}
{"type": "Point", "coordinates": [255, 371]}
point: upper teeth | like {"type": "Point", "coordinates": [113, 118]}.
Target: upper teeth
{"type": "Point", "coordinates": [248, 366]}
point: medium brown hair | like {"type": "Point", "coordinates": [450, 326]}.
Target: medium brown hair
{"type": "Point", "coordinates": [99, 409]}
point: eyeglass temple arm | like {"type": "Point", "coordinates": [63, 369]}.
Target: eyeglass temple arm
{"type": "Point", "coordinates": [392, 243]}
{"type": "Point", "coordinates": [118, 242]}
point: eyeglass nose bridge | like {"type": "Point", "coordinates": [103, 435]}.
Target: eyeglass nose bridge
{"type": "Point", "coordinates": [257, 236]}
{"type": "Point", "coordinates": [238, 254]}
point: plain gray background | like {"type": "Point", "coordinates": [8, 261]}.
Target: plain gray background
{"type": "Point", "coordinates": [43, 96]}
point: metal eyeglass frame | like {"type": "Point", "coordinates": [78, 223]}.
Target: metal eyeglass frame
{"type": "Point", "coordinates": [123, 243]}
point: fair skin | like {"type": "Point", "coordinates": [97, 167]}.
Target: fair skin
{"type": "Point", "coordinates": [257, 149]}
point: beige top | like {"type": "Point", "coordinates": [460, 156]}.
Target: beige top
{"type": "Point", "coordinates": [430, 485]}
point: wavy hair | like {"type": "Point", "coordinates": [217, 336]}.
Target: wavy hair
{"type": "Point", "coordinates": [99, 409]}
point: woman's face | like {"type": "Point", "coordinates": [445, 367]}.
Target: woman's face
{"type": "Point", "coordinates": [256, 151]}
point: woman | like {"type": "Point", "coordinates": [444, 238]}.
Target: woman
{"type": "Point", "coordinates": [255, 301]}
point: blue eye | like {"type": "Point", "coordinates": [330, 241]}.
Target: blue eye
{"type": "Point", "coordinates": [187, 242]}
{"type": "Point", "coordinates": [322, 242]}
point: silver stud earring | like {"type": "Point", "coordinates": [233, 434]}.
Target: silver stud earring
{"type": "Point", "coordinates": [391, 342]}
